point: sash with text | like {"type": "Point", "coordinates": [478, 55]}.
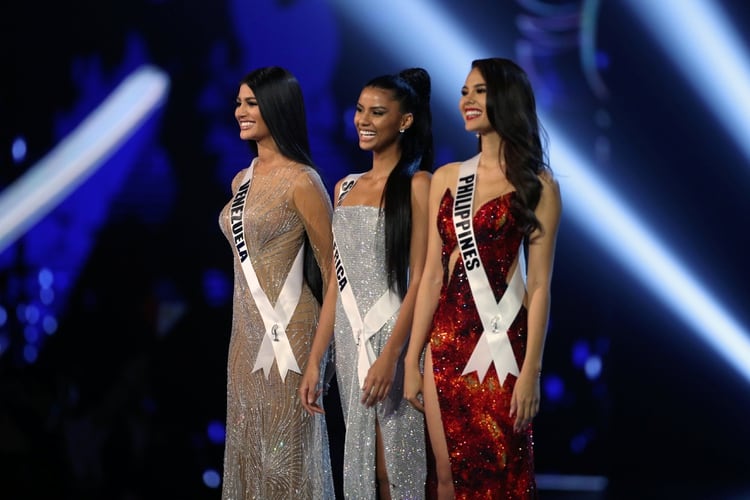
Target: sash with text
{"type": "Point", "coordinates": [363, 328]}
{"type": "Point", "coordinates": [497, 317]}
{"type": "Point", "coordinates": [275, 344]}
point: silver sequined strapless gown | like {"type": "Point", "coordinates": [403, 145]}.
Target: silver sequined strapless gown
{"type": "Point", "coordinates": [360, 239]}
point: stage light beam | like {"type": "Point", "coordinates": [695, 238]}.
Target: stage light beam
{"type": "Point", "coordinates": [81, 153]}
{"type": "Point", "coordinates": [587, 199]}
{"type": "Point", "coordinates": [702, 42]}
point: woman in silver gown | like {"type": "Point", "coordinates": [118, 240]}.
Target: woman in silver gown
{"type": "Point", "coordinates": [379, 226]}
{"type": "Point", "coordinates": [279, 228]}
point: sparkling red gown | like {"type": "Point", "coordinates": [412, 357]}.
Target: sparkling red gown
{"type": "Point", "coordinates": [488, 459]}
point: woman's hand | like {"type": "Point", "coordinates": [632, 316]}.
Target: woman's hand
{"type": "Point", "coordinates": [413, 386]}
{"type": "Point", "coordinates": [524, 403]}
{"type": "Point", "coordinates": [379, 380]}
{"type": "Point", "coordinates": [309, 390]}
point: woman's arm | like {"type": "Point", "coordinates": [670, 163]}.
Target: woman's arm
{"type": "Point", "coordinates": [428, 292]}
{"type": "Point", "coordinates": [313, 205]}
{"type": "Point", "coordinates": [321, 239]}
{"type": "Point", "coordinates": [309, 388]}
{"type": "Point", "coordinates": [526, 394]}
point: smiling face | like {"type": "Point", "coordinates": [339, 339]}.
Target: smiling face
{"type": "Point", "coordinates": [378, 119]}
{"type": "Point", "coordinates": [473, 103]}
{"type": "Point", "coordinates": [247, 113]}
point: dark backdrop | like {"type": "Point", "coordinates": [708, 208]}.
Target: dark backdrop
{"type": "Point", "coordinates": [115, 308]}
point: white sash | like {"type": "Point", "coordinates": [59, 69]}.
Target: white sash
{"type": "Point", "coordinates": [384, 308]}
{"type": "Point", "coordinates": [494, 343]}
{"type": "Point", "coordinates": [275, 344]}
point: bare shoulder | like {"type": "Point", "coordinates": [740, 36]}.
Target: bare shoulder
{"type": "Point", "coordinates": [551, 187]}
{"type": "Point", "coordinates": [448, 169]}
{"type": "Point", "coordinates": [445, 175]}
{"type": "Point", "coordinates": [420, 187]}
{"type": "Point", "coordinates": [549, 207]}
{"type": "Point", "coordinates": [421, 180]}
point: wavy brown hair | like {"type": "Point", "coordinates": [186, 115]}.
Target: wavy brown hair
{"type": "Point", "coordinates": [511, 108]}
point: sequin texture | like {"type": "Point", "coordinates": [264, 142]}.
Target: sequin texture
{"type": "Point", "coordinates": [488, 459]}
{"type": "Point", "coordinates": [360, 239]}
{"type": "Point", "coordinates": [274, 449]}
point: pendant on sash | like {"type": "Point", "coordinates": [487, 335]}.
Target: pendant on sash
{"type": "Point", "coordinates": [493, 345]}
{"type": "Point", "coordinates": [275, 344]}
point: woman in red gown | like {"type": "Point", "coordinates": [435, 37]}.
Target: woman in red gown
{"type": "Point", "coordinates": [485, 323]}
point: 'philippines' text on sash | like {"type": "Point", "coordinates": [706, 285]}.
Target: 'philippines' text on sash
{"type": "Point", "coordinates": [462, 213]}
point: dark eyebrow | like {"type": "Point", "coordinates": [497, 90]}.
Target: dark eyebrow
{"type": "Point", "coordinates": [373, 108]}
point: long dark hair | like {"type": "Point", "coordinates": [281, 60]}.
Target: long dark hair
{"type": "Point", "coordinates": [511, 108]}
{"type": "Point", "coordinates": [411, 88]}
{"type": "Point", "coordinates": [282, 107]}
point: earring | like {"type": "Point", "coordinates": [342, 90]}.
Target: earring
{"type": "Point", "coordinates": [401, 130]}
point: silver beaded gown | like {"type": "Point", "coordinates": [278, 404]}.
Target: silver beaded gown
{"type": "Point", "coordinates": [274, 449]}
{"type": "Point", "coordinates": [360, 238]}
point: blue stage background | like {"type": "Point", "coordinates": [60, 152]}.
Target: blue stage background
{"type": "Point", "coordinates": [115, 306]}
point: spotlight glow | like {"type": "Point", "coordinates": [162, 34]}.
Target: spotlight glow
{"type": "Point", "coordinates": [211, 478]}
{"type": "Point", "coordinates": [598, 210]}
{"type": "Point", "coordinates": [78, 156]}
{"type": "Point", "coordinates": [587, 199]}
{"type": "Point", "coordinates": [421, 33]}
{"type": "Point", "coordinates": [593, 367]}
{"type": "Point", "coordinates": [19, 149]}
{"type": "Point", "coordinates": [703, 43]}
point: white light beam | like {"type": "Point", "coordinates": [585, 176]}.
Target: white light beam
{"type": "Point", "coordinates": [81, 153]}
{"type": "Point", "coordinates": [417, 24]}
{"type": "Point", "coordinates": [704, 45]}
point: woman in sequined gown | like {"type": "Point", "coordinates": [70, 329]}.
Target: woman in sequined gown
{"type": "Point", "coordinates": [380, 238]}
{"type": "Point", "coordinates": [274, 449]}
{"type": "Point", "coordinates": [480, 425]}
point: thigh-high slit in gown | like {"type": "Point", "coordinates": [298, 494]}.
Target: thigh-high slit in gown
{"type": "Point", "coordinates": [488, 459]}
